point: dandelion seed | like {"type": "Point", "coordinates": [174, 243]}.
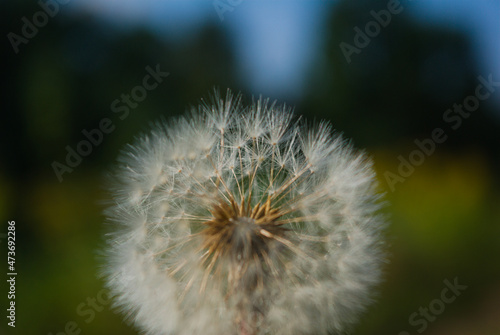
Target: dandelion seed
{"type": "Point", "coordinates": [236, 220]}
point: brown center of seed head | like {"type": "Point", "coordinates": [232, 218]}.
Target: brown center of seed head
{"type": "Point", "coordinates": [240, 233]}
{"type": "Point", "coordinates": [245, 239]}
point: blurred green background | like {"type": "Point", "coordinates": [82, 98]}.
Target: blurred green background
{"type": "Point", "coordinates": [395, 90]}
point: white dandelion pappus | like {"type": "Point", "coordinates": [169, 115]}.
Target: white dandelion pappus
{"type": "Point", "coordinates": [236, 220]}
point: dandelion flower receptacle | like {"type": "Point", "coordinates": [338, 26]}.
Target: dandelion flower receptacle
{"type": "Point", "coordinates": [243, 220]}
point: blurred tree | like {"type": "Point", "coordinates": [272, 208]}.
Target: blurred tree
{"type": "Point", "coordinates": [64, 79]}
{"type": "Point", "coordinates": [399, 82]}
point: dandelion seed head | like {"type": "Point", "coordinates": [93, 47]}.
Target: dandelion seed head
{"type": "Point", "coordinates": [243, 220]}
